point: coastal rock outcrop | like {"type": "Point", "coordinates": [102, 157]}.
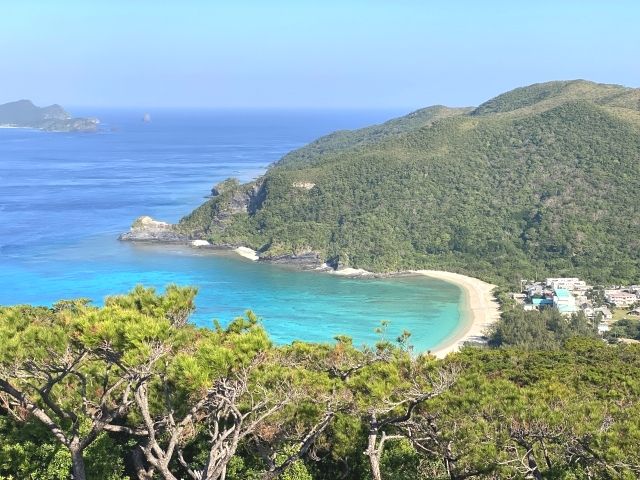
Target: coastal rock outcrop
{"type": "Point", "coordinates": [146, 229]}
{"type": "Point", "coordinates": [306, 260]}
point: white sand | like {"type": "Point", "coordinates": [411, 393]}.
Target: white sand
{"type": "Point", "coordinates": [247, 253]}
{"type": "Point", "coordinates": [200, 243]}
{"type": "Point", "coordinates": [351, 272]}
{"type": "Point", "coordinates": [480, 306]}
{"type": "Point", "coordinates": [480, 303]}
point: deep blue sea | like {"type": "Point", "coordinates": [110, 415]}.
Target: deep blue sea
{"type": "Point", "coordinates": [65, 197]}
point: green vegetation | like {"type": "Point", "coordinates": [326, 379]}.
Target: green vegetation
{"type": "Point", "coordinates": [538, 181]}
{"type": "Point", "coordinates": [132, 390]}
{"type": "Point", "coordinates": [625, 328]}
{"type": "Point", "coordinates": [539, 330]}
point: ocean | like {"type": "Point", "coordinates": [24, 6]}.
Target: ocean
{"type": "Point", "coordinates": [65, 197]}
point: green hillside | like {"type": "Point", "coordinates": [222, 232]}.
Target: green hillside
{"type": "Point", "coordinates": [540, 180]}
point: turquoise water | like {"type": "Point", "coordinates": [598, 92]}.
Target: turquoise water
{"type": "Point", "coordinates": [65, 197]}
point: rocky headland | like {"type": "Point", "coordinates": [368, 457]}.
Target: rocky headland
{"type": "Point", "coordinates": [146, 229]}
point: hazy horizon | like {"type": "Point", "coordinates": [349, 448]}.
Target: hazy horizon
{"type": "Point", "coordinates": [289, 55]}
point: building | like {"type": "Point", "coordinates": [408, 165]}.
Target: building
{"type": "Point", "coordinates": [564, 301]}
{"type": "Point", "coordinates": [534, 290]}
{"type": "Point", "coordinates": [541, 302]}
{"type": "Point", "coordinates": [606, 313]}
{"type": "Point", "coordinates": [566, 283]}
{"type": "Point", "coordinates": [620, 298]}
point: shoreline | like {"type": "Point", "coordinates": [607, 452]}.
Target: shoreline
{"type": "Point", "coordinates": [246, 252]}
{"type": "Point", "coordinates": [481, 310]}
{"type": "Point", "coordinates": [478, 310]}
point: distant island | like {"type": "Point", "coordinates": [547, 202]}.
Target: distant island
{"type": "Point", "coordinates": [24, 114]}
{"type": "Point", "coordinates": [539, 181]}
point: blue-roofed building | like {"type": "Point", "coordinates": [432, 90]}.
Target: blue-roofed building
{"type": "Point", "coordinates": [564, 301]}
{"type": "Point", "coordinates": [541, 302]}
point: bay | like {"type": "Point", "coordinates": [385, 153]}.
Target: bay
{"type": "Point", "coordinates": [64, 198]}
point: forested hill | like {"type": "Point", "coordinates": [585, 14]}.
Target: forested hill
{"type": "Point", "coordinates": [343, 139]}
{"type": "Point", "coordinates": [540, 180]}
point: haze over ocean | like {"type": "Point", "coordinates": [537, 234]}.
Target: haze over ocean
{"type": "Point", "coordinates": [292, 54]}
{"type": "Point", "coordinates": [65, 197]}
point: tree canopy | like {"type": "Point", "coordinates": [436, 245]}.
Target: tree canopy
{"type": "Point", "coordinates": [539, 181]}
{"type": "Point", "coordinates": [132, 390]}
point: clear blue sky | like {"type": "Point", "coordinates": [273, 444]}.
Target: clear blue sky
{"type": "Point", "coordinates": [297, 53]}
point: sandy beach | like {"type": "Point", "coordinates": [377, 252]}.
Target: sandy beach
{"type": "Point", "coordinates": [349, 272]}
{"type": "Point", "coordinates": [482, 309]}
{"type": "Point", "coordinates": [480, 306]}
{"type": "Point", "coordinates": [247, 252]}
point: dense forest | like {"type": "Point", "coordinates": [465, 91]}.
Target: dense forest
{"type": "Point", "coordinates": [132, 390]}
{"type": "Point", "coordinates": [542, 180]}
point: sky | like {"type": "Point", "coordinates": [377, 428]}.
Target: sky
{"type": "Point", "coordinates": [307, 54]}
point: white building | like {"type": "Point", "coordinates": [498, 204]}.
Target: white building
{"type": "Point", "coordinates": [567, 283]}
{"type": "Point", "coordinates": [620, 298]}
{"type": "Point", "coordinates": [534, 289]}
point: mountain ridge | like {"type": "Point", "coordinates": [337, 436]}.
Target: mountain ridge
{"type": "Point", "coordinates": [539, 180]}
